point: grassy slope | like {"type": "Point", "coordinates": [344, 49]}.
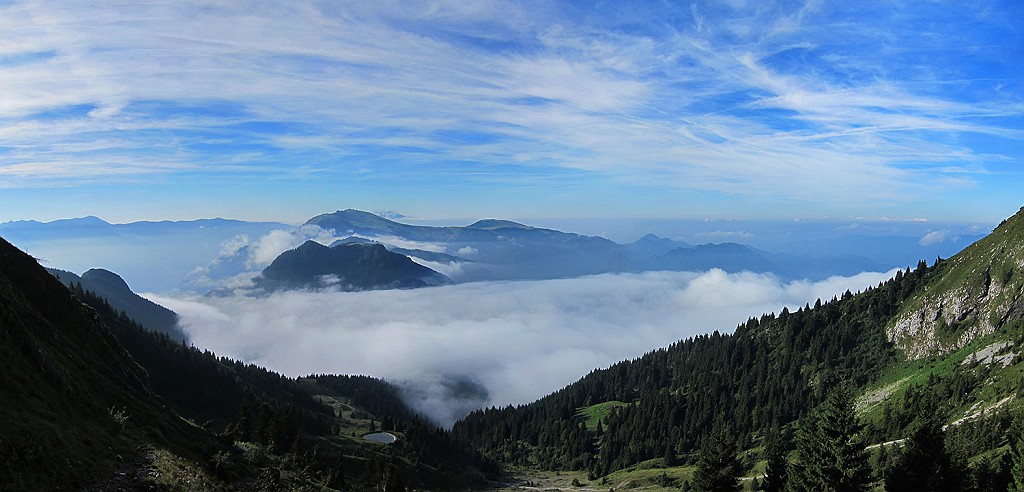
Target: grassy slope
{"type": "Point", "coordinates": [597, 413]}
{"type": "Point", "coordinates": [987, 278]}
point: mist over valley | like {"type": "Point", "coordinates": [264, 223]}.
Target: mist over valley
{"type": "Point", "coordinates": [523, 318]}
{"type": "Point", "coordinates": [518, 340]}
{"type": "Point", "coordinates": [511, 245]}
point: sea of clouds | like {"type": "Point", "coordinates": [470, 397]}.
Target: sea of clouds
{"type": "Point", "coordinates": [460, 347]}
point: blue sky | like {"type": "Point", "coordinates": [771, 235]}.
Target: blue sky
{"type": "Point", "coordinates": [283, 110]}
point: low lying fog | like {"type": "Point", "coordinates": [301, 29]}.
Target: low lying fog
{"type": "Point", "coordinates": [465, 346]}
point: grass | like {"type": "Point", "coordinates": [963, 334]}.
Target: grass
{"type": "Point", "coordinates": [597, 413]}
{"type": "Point", "coordinates": [650, 475]}
{"type": "Point", "coordinates": [174, 473]}
{"type": "Point", "coordinates": [999, 381]}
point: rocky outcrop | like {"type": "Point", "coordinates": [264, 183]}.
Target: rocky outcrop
{"type": "Point", "coordinates": [973, 294]}
{"type": "Point", "coordinates": [948, 321]}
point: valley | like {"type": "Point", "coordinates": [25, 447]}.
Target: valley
{"type": "Point", "coordinates": [511, 245]}
{"type": "Point", "coordinates": [641, 423]}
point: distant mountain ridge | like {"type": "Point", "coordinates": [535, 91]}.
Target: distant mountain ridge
{"type": "Point", "coordinates": [57, 228]}
{"type": "Point", "coordinates": [491, 224]}
{"type": "Point", "coordinates": [210, 254]}
{"type": "Point", "coordinates": [500, 249]}
{"type": "Point", "coordinates": [350, 267]}
{"type": "Point", "coordinates": [503, 249]}
{"type": "Point", "coordinates": [431, 256]}
{"type": "Point", "coordinates": [153, 256]}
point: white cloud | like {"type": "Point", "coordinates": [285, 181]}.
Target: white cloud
{"type": "Point", "coordinates": [936, 237]}
{"type": "Point", "coordinates": [519, 340]}
{"type": "Point", "coordinates": [467, 251]}
{"type": "Point", "coordinates": [451, 269]}
{"type": "Point", "coordinates": [232, 246]}
{"type": "Point", "coordinates": [270, 246]}
{"type": "Point", "coordinates": [664, 107]}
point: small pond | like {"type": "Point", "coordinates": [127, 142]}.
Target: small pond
{"type": "Point", "coordinates": [381, 437]}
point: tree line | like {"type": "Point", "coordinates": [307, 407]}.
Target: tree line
{"type": "Point", "coordinates": [767, 374]}
{"type": "Point", "coordinates": [830, 455]}
{"type": "Point", "coordinates": [247, 403]}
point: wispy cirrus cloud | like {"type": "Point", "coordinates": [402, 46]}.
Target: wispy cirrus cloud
{"type": "Point", "coordinates": [780, 105]}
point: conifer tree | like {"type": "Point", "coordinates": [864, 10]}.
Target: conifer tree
{"type": "Point", "coordinates": [718, 466]}
{"type": "Point", "coordinates": [924, 463]}
{"type": "Point", "coordinates": [241, 429]}
{"type": "Point", "coordinates": [775, 471]}
{"type": "Point", "coordinates": [830, 454]}
{"type": "Point", "coordinates": [1017, 455]}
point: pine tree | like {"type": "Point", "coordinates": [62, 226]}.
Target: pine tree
{"type": "Point", "coordinates": [830, 454]}
{"type": "Point", "coordinates": [718, 466]}
{"type": "Point", "coordinates": [241, 428]}
{"type": "Point", "coordinates": [924, 463]}
{"type": "Point", "coordinates": [775, 471]}
{"type": "Point", "coordinates": [1017, 455]}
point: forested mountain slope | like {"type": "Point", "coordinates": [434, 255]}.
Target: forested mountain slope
{"type": "Point", "coordinates": [767, 374]}
{"type": "Point", "coordinates": [73, 402]}
{"type": "Point", "coordinates": [92, 400]}
{"type": "Point", "coordinates": [325, 413]}
{"type": "Point", "coordinates": [115, 290]}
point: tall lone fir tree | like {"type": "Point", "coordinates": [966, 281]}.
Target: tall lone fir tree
{"type": "Point", "coordinates": [718, 466]}
{"type": "Point", "coordinates": [830, 453]}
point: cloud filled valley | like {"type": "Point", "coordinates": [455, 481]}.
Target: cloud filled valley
{"type": "Point", "coordinates": [459, 347]}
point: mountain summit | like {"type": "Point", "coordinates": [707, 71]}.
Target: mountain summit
{"type": "Point", "coordinates": [351, 266]}
{"type": "Point", "coordinates": [115, 290]}
{"type": "Point", "coordinates": [492, 224]}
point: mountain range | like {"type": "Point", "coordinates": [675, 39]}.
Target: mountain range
{"type": "Point", "coordinates": [153, 256]}
{"type": "Point", "coordinates": [94, 400]}
{"type": "Point", "coordinates": [494, 249]}
{"type": "Point", "coordinates": [207, 254]}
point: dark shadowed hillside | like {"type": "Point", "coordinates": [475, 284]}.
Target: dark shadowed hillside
{"type": "Point", "coordinates": [94, 400]}
{"type": "Point", "coordinates": [76, 405]}
{"type": "Point", "coordinates": [115, 290]}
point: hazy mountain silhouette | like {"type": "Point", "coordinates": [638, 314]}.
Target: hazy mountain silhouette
{"type": "Point", "coordinates": [352, 266]}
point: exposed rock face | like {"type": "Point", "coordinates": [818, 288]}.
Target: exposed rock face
{"type": "Point", "coordinates": [920, 332]}
{"type": "Point", "coordinates": [974, 293]}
